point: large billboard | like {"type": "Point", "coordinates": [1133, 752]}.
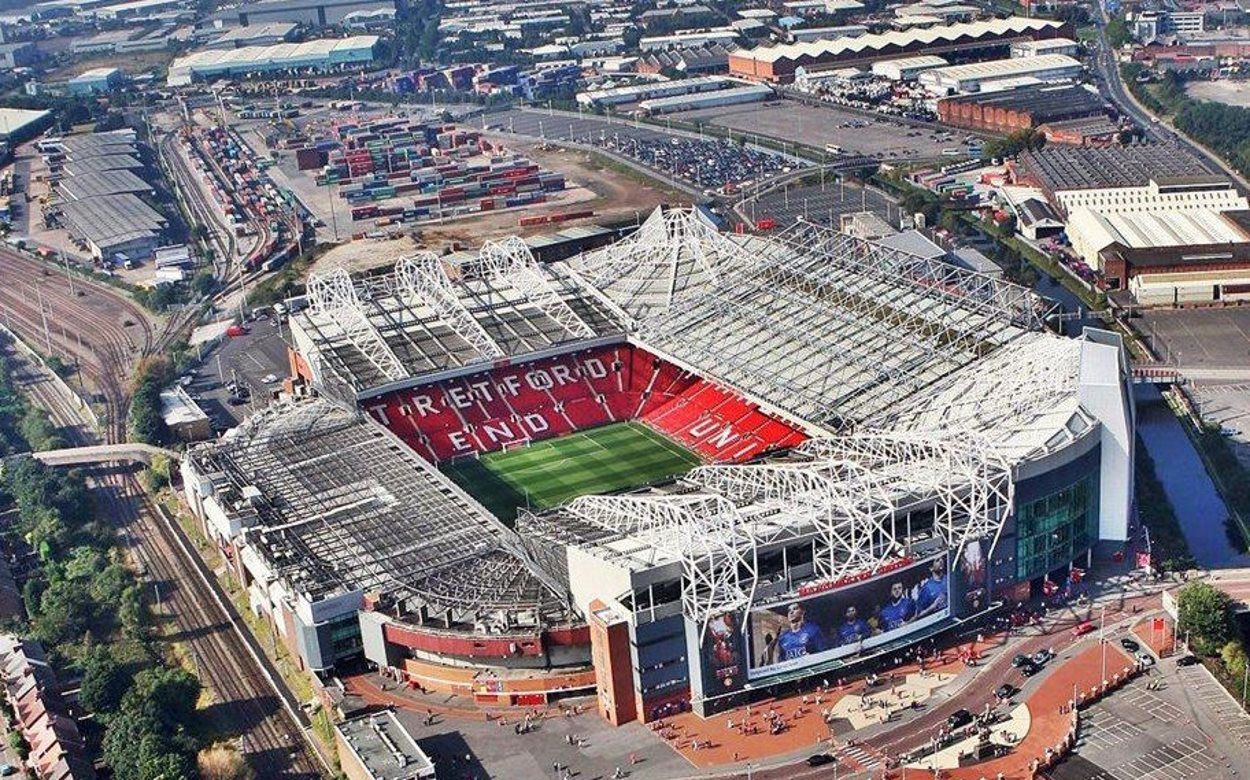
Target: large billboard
{"type": "Point", "coordinates": [849, 619]}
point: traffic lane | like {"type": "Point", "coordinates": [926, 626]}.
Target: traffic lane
{"type": "Point", "coordinates": [995, 673]}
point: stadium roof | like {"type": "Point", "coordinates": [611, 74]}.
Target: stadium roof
{"type": "Point", "coordinates": [1083, 168]}
{"type": "Point", "coordinates": [824, 327]}
{"type": "Point", "coordinates": [899, 39]}
{"type": "Point", "coordinates": [341, 506]}
{"type": "Point", "coordinates": [94, 185]}
{"type": "Point", "coordinates": [435, 316]}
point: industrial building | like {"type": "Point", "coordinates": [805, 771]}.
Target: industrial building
{"type": "Point", "coordinates": [316, 13]}
{"type": "Point", "coordinates": [725, 36]}
{"type": "Point", "coordinates": [18, 125]}
{"type": "Point", "coordinates": [1141, 177]}
{"type": "Point", "coordinates": [99, 183]}
{"type": "Point", "coordinates": [983, 39]}
{"type": "Point", "coordinates": [1020, 109]}
{"type": "Point", "coordinates": [18, 55]}
{"type": "Point", "coordinates": [977, 76]}
{"type": "Point", "coordinates": [116, 228]}
{"type": "Point", "coordinates": [1168, 257]}
{"type": "Point", "coordinates": [1050, 46]}
{"type": "Point", "coordinates": [268, 34]}
{"type": "Point", "coordinates": [751, 93]}
{"type": "Point", "coordinates": [907, 68]}
{"type": "Point", "coordinates": [323, 54]}
{"type": "Point", "coordinates": [836, 462]}
{"type": "Point", "coordinates": [619, 96]}
{"type": "Point", "coordinates": [95, 80]}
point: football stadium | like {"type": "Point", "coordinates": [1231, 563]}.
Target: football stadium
{"type": "Point", "coordinates": [678, 472]}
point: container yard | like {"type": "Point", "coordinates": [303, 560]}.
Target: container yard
{"type": "Point", "coordinates": [393, 171]}
{"type": "Point", "coordinates": [243, 195]}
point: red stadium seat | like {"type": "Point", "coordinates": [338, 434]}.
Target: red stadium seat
{"type": "Point", "coordinates": [555, 396]}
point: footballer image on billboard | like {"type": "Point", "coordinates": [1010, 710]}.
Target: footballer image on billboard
{"type": "Point", "coordinates": [848, 620]}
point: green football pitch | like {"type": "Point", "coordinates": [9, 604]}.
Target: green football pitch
{"type": "Point", "coordinates": [547, 473]}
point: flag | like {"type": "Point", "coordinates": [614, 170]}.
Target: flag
{"type": "Point", "coordinates": [1076, 575]}
{"type": "Point", "coordinates": [1159, 624]}
{"type": "Point", "coordinates": [1143, 560]}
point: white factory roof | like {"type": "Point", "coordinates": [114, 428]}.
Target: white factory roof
{"type": "Point", "coordinates": [252, 32]}
{"type": "Point", "coordinates": [12, 120]}
{"type": "Point", "coordinates": [1142, 230]}
{"type": "Point", "coordinates": [275, 56]}
{"type": "Point", "coordinates": [878, 41]}
{"type": "Point", "coordinates": [907, 63]}
{"type": "Point", "coordinates": [724, 96]}
{"type": "Point", "coordinates": [1020, 66]}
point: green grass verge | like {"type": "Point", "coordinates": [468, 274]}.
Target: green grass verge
{"type": "Point", "coordinates": [542, 475]}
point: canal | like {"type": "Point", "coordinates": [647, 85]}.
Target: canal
{"type": "Point", "coordinates": [1199, 508]}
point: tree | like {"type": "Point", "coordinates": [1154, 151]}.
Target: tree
{"type": "Point", "coordinates": [1203, 612]}
{"type": "Point", "coordinates": [104, 682]}
{"type": "Point", "coordinates": [1117, 31]}
{"type": "Point", "coordinates": [165, 694]}
{"type": "Point", "coordinates": [65, 611]}
{"type": "Point", "coordinates": [1234, 657]}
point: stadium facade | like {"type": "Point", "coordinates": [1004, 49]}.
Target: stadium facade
{"type": "Point", "coordinates": [891, 448]}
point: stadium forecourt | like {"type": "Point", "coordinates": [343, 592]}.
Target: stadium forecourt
{"type": "Point", "coordinates": [888, 449]}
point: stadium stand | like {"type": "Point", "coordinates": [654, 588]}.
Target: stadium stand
{"type": "Point", "coordinates": [554, 396]}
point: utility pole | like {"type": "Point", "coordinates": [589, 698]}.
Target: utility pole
{"type": "Point", "coordinates": [43, 313]}
{"type": "Point", "coordinates": [68, 277]}
{"type": "Point", "coordinates": [1102, 640]}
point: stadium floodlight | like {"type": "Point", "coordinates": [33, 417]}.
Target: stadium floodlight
{"type": "Point", "coordinates": [511, 261]}
{"type": "Point", "coordinates": [333, 295]}
{"type": "Point", "coordinates": [704, 531]}
{"type": "Point", "coordinates": [422, 278]}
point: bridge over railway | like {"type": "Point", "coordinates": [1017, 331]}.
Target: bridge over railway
{"type": "Point", "coordinates": [130, 452]}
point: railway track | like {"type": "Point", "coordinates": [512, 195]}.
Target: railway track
{"type": "Point", "coordinates": [273, 739]}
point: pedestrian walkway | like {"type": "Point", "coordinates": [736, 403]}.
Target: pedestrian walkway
{"type": "Point", "coordinates": [860, 759]}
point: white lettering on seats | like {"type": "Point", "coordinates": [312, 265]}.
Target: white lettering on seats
{"type": "Point", "coordinates": [497, 431]}
{"type": "Point", "coordinates": [458, 441]}
{"type": "Point", "coordinates": [459, 397]}
{"type": "Point", "coordinates": [562, 374]}
{"type": "Point", "coordinates": [379, 412]}
{"type": "Point", "coordinates": [424, 405]}
{"type": "Point", "coordinates": [595, 368]}
{"type": "Point", "coordinates": [538, 380]}
{"type": "Point", "coordinates": [537, 423]}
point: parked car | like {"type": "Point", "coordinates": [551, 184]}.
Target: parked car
{"type": "Point", "coordinates": [1145, 659]}
{"type": "Point", "coordinates": [1081, 629]}
{"type": "Point", "coordinates": [1129, 645]}
{"type": "Point", "coordinates": [1020, 660]}
{"type": "Point", "coordinates": [1030, 669]}
{"type": "Point", "coordinates": [820, 759]}
{"type": "Point", "coordinates": [958, 719]}
{"type": "Point", "coordinates": [1187, 660]}
{"type": "Point", "coordinates": [1041, 657]}
{"type": "Point", "coordinates": [1005, 691]}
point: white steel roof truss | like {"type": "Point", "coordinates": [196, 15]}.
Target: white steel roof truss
{"type": "Point", "coordinates": [333, 295]}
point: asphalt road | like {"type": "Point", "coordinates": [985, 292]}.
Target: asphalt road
{"type": "Point", "coordinates": [1113, 87]}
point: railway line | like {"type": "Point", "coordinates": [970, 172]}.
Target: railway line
{"type": "Point", "coordinates": [272, 731]}
{"type": "Point", "coordinates": [200, 207]}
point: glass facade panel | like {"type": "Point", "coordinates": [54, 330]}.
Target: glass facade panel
{"type": "Point", "coordinates": [1055, 529]}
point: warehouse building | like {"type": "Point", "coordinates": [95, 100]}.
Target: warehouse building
{"type": "Point", "coordinates": [18, 125]}
{"type": "Point", "coordinates": [94, 185]}
{"type": "Point", "coordinates": [319, 55]}
{"type": "Point", "coordinates": [115, 227]}
{"type": "Point", "coordinates": [317, 13]}
{"type": "Point", "coordinates": [1144, 177]}
{"type": "Point", "coordinates": [907, 68]}
{"type": "Point", "coordinates": [254, 35]}
{"type": "Point", "coordinates": [94, 81]}
{"type": "Point", "coordinates": [619, 96]}
{"type": "Point", "coordinates": [1052, 46]}
{"type": "Point", "coordinates": [983, 39]}
{"type": "Point", "coordinates": [1020, 109]}
{"type": "Point", "coordinates": [976, 76]}
{"type": "Point", "coordinates": [751, 93]}
{"type": "Point", "coordinates": [18, 55]}
{"type": "Point", "coordinates": [1168, 258]}
{"type": "Point", "coordinates": [376, 746]}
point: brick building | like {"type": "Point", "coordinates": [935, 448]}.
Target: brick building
{"type": "Point", "coordinates": [1020, 109]}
